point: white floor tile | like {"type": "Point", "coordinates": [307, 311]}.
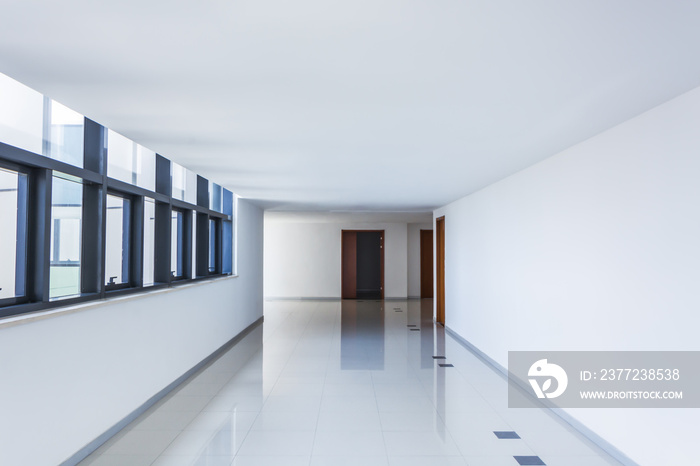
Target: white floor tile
{"type": "Point", "coordinates": [412, 421]}
{"type": "Point", "coordinates": [402, 403]}
{"type": "Point", "coordinates": [349, 389]}
{"type": "Point", "coordinates": [427, 461]}
{"type": "Point", "coordinates": [271, 461]}
{"type": "Point", "coordinates": [569, 460]}
{"type": "Point", "coordinates": [295, 404]}
{"type": "Point", "coordinates": [428, 443]}
{"type": "Point", "coordinates": [285, 420]}
{"type": "Point", "coordinates": [339, 404]}
{"type": "Point", "coordinates": [349, 421]}
{"type": "Point", "coordinates": [349, 443]}
{"type": "Point", "coordinates": [191, 460]}
{"type": "Point", "coordinates": [334, 389]}
{"type": "Point", "coordinates": [501, 460]}
{"type": "Point", "coordinates": [277, 443]}
{"type": "Point", "coordinates": [349, 460]}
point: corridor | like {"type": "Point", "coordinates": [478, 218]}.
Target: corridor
{"type": "Point", "coordinates": [346, 383]}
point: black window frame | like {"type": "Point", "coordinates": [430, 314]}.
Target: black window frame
{"type": "Point", "coordinates": [183, 248]}
{"type": "Point", "coordinates": [132, 235]}
{"type": "Point", "coordinates": [96, 185]}
{"type": "Point", "coordinates": [54, 232]}
{"type": "Point", "coordinates": [140, 241]}
{"type": "Point", "coordinates": [216, 247]}
{"type": "Point", "coordinates": [21, 232]}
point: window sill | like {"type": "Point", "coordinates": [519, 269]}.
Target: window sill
{"type": "Point", "coordinates": [30, 317]}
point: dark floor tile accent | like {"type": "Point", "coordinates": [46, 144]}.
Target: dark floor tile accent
{"type": "Point", "coordinates": [528, 460]}
{"type": "Point", "coordinates": [439, 357]}
{"type": "Point", "coordinates": [398, 310]}
{"type": "Point", "coordinates": [414, 329]}
{"type": "Point", "coordinates": [506, 434]}
{"type": "Point", "coordinates": [446, 365]}
{"type": "Point", "coordinates": [410, 325]}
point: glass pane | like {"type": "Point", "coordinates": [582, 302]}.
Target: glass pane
{"type": "Point", "coordinates": [227, 234]}
{"type": "Point", "coordinates": [21, 115]}
{"type": "Point", "coordinates": [65, 138]}
{"type": "Point", "coordinates": [215, 203]}
{"type": "Point", "coordinates": [66, 225]}
{"type": "Point", "coordinates": [177, 256]}
{"type": "Point", "coordinates": [194, 244]}
{"type": "Point", "coordinates": [227, 246]}
{"type": "Point", "coordinates": [117, 246]}
{"type": "Point", "coordinates": [212, 245]}
{"type": "Point", "coordinates": [191, 191]}
{"type": "Point", "coordinates": [149, 242]}
{"type": "Point", "coordinates": [130, 162]}
{"type": "Point", "coordinates": [179, 181]}
{"type": "Point", "coordinates": [32, 122]}
{"type": "Point", "coordinates": [13, 202]}
{"type": "Point", "coordinates": [184, 184]}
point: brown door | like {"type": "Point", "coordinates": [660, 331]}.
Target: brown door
{"type": "Point", "coordinates": [440, 269]}
{"type": "Point", "coordinates": [360, 265]}
{"type": "Point", "coordinates": [349, 264]}
{"type": "Point", "coordinates": [426, 263]}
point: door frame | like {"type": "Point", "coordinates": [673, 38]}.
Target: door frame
{"type": "Point", "coordinates": [427, 285]}
{"type": "Point", "coordinates": [348, 262]}
{"type": "Point", "coordinates": [440, 270]}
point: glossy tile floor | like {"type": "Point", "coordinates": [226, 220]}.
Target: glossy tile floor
{"type": "Point", "coordinates": [345, 383]}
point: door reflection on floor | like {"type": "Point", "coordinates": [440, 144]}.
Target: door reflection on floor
{"type": "Point", "coordinates": [362, 335]}
{"type": "Point", "coordinates": [427, 338]}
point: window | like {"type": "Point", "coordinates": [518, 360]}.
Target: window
{"type": "Point", "coordinates": [21, 116]}
{"type": "Point", "coordinates": [228, 240]}
{"type": "Point", "coordinates": [70, 234]}
{"type": "Point", "coordinates": [64, 140]}
{"type": "Point", "coordinates": [130, 162]}
{"type": "Point", "coordinates": [32, 122]}
{"type": "Point", "coordinates": [66, 235]}
{"type": "Point", "coordinates": [118, 241]}
{"type": "Point", "coordinates": [149, 239]}
{"type": "Point", "coordinates": [194, 243]}
{"type": "Point", "coordinates": [213, 245]}
{"type": "Point", "coordinates": [13, 212]}
{"type": "Point", "coordinates": [215, 193]}
{"type": "Point", "coordinates": [177, 250]}
{"type": "Point", "coordinates": [227, 248]}
{"type": "Point", "coordinates": [184, 184]}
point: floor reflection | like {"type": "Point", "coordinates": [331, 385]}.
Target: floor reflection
{"type": "Point", "coordinates": [351, 382]}
{"type": "Point", "coordinates": [427, 337]}
{"type": "Point", "coordinates": [362, 335]}
{"type": "Point", "coordinates": [222, 443]}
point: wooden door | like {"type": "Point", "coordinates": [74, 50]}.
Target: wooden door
{"type": "Point", "coordinates": [440, 269]}
{"type": "Point", "coordinates": [426, 263]}
{"type": "Point", "coordinates": [349, 264]}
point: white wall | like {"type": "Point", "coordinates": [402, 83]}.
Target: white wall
{"type": "Point", "coordinates": [68, 378]}
{"type": "Point", "coordinates": [303, 260]}
{"type": "Point", "coordinates": [414, 257]}
{"type": "Point", "coordinates": [303, 251]}
{"type": "Point", "coordinates": [596, 248]}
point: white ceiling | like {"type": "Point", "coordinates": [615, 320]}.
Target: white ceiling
{"type": "Point", "coordinates": [390, 105]}
{"type": "Point", "coordinates": [347, 217]}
